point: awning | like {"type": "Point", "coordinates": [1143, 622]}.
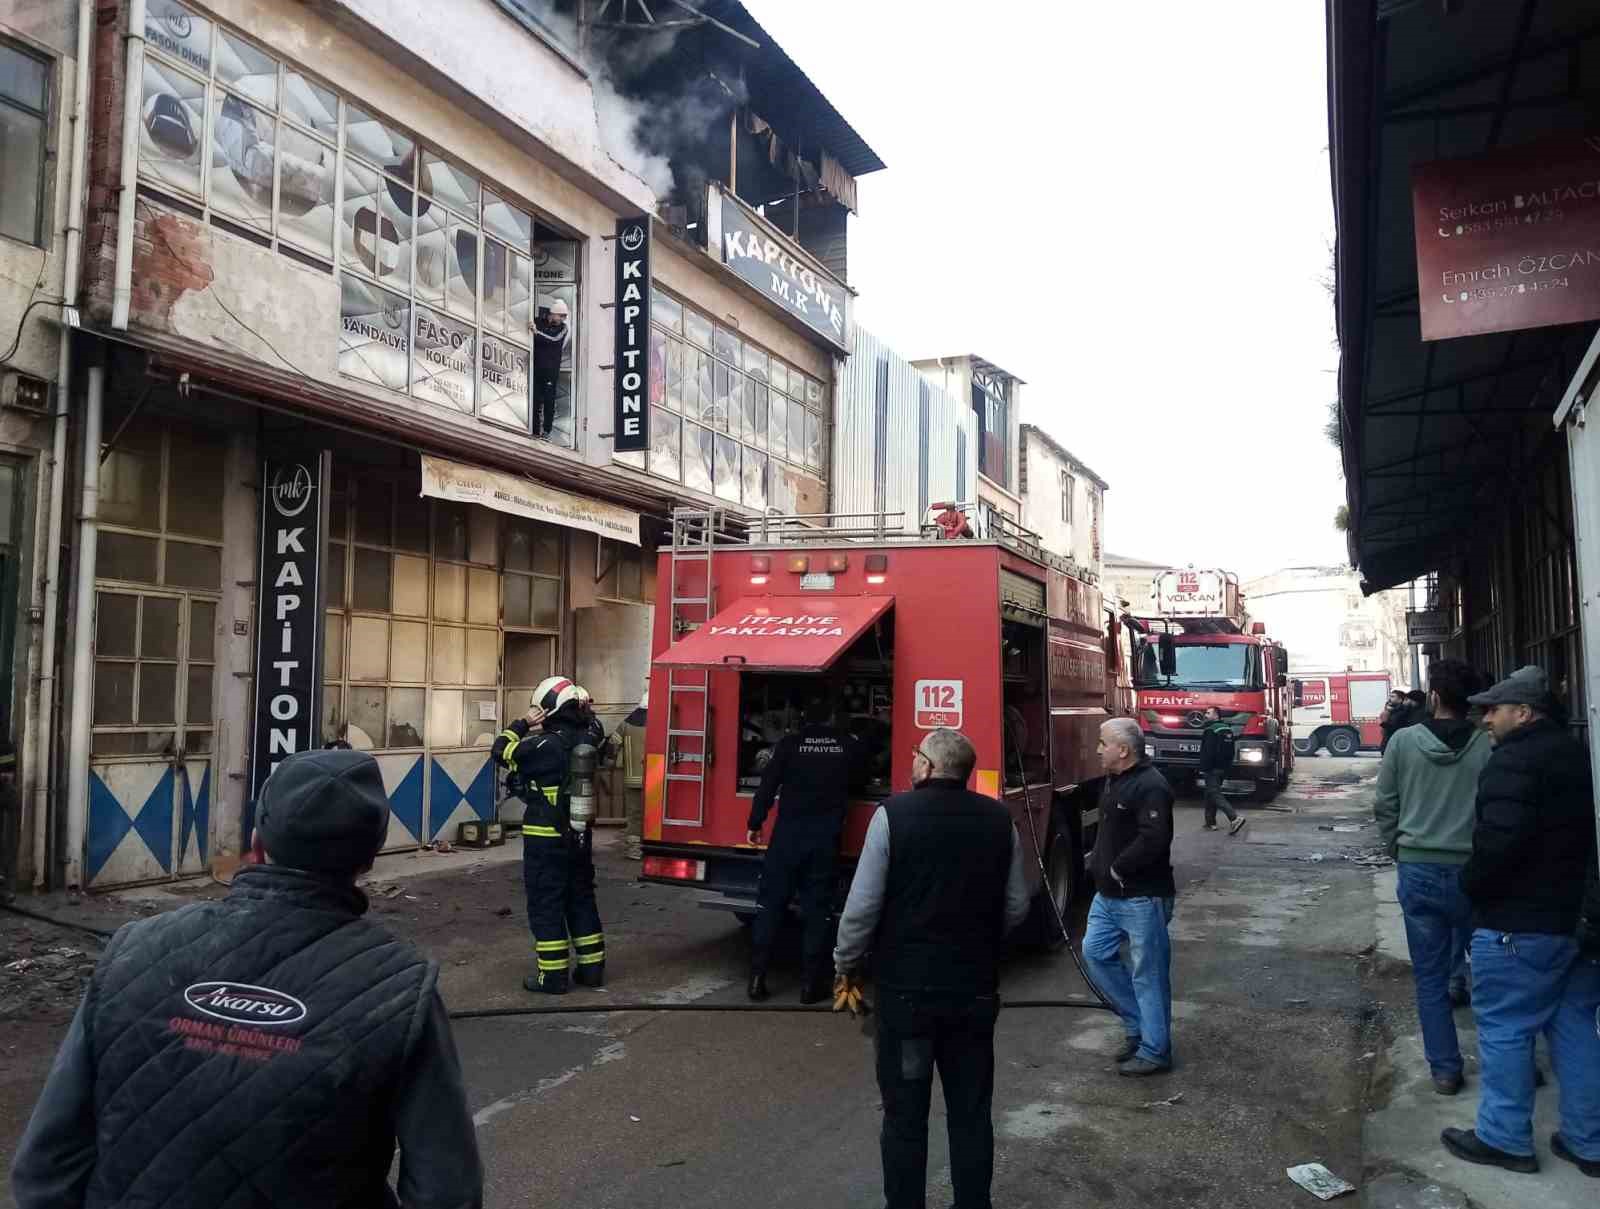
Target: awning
{"type": "Point", "coordinates": [778, 633]}
{"type": "Point", "coordinates": [445, 480]}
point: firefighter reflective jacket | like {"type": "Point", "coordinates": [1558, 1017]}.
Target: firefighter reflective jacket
{"type": "Point", "coordinates": [540, 759]}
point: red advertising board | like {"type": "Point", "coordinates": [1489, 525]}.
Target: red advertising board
{"type": "Point", "coordinates": [1508, 240]}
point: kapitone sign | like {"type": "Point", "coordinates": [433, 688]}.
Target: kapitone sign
{"type": "Point", "coordinates": [1509, 240]}
{"type": "Point", "coordinates": [771, 262]}
{"type": "Point", "coordinates": [288, 611]}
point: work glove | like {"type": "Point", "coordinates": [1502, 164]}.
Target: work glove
{"type": "Point", "coordinates": [849, 996]}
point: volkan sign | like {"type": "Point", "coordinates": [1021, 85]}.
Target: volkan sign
{"type": "Point", "coordinates": [1509, 240]}
{"type": "Point", "coordinates": [631, 368]}
{"type": "Point", "coordinates": [288, 612]}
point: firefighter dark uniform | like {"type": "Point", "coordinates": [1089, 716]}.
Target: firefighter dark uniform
{"type": "Point", "coordinates": [811, 772]}
{"type": "Point", "coordinates": [557, 861]}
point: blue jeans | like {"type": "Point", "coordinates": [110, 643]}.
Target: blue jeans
{"type": "Point", "coordinates": [1438, 929]}
{"type": "Point", "coordinates": [1525, 983]}
{"type": "Point", "coordinates": [1140, 985]}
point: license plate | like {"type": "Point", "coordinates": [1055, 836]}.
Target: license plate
{"type": "Point", "coordinates": [1189, 747]}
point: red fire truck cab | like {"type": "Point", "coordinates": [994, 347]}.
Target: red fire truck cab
{"type": "Point", "coordinates": [995, 638]}
{"type": "Point", "coordinates": [1200, 649]}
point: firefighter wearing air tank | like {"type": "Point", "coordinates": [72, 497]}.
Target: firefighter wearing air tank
{"type": "Point", "coordinates": [550, 756]}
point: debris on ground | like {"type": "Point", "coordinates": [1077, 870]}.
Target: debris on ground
{"type": "Point", "coordinates": [1169, 1102]}
{"type": "Point", "coordinates": [377, 889]}
{"type": "Point", "coordinates": [1319, 1181]}
{"type": "Point", "coordinates": [40, 976]}
{"type": "Point", "coordinates": [442, 846]}
{"type": "Point", "coordinates": [1372, 858]}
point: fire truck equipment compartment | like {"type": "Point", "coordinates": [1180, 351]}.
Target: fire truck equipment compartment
{"type": "Point", "coordinates": [778, 633]}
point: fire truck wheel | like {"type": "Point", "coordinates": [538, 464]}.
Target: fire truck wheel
{"type": "Point", "coordinates": [1342, 743]}
{"type": "Point", "coordinates": [1062, 867]}
{"type": "Point", "coordinates": [1306, 747]}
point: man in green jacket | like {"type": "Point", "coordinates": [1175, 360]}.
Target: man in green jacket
{"type": "Point", "coordinates": [1424, 810]}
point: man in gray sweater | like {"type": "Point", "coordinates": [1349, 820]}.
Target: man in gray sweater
{"type": "Point", "coordinates": [1424, 811]}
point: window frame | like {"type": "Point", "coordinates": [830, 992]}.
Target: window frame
{"type": "Point", "coordinates": [46, 141]}
{"type": "Point", "coordinates": [747, 367]}
{"type": "Point", "coordinates": [1069, 490]}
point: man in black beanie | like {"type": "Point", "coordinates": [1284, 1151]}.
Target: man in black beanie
{"type": "Point", "coordinates": [267, 1049]}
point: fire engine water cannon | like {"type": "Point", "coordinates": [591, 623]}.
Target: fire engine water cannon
{"type": "Point", "coordinates": [580, 803]}
{"type": "Point", "coordinates": [1210, 600]}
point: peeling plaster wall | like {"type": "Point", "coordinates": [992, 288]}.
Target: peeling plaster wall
{"type": "Point", "coordinates": [188, 276]}
{"type": "Point", "coordinates": [31, 272]}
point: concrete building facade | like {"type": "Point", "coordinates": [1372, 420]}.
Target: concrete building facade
{"type": "Point", "coordinates": [321, 248]}
{"type": "Point", "coordinates": [1063, 501]}
{"type": "Point", "coordinates": [1328, 624]}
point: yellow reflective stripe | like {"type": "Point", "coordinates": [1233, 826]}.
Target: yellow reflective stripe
{"type": "Point", "coordinates": [551, 946]}
{"type": "Point", "coordinates": [551, 793]}
{"type": "Point", "coordinates": [548, 966]}
{"type": "Point", "coordinates": [538, 829]}
{"type": "Point", "coordinates": [590, 959]}
{"type": "Point", "coordinates": [593, 939]}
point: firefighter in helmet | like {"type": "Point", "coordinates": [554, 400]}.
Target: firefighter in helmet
{"type": "Point", "coordinates": [548, 753]}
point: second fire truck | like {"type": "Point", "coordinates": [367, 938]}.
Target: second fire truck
{"type": "Point", "coordinates": [1198, 648]}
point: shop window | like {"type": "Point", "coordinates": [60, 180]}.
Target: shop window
{"type": "Point", "coordinates": [24, 105]}
{"type": "Point", "coordinates": [227, 126]}
{"type": "Point", "coordinates": [725, 412]}
{"type": "Point", "coordinates": [487, 323]}
{"type": "Point", "coordinates": [154, 673]}
{"type": "Point", "coordinates": [414, 656]}
{"type": "Point", "coordinates": [619, 572]}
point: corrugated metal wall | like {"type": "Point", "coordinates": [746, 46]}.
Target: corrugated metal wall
{"type": "Point", "coordinates": [897, 438]}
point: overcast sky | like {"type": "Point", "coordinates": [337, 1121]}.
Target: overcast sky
{"type": "Point", "coordinates": [1127, 206]}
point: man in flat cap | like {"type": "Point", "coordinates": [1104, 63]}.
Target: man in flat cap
{"type": "Point", "coordinates": [270, 1048]}
{"type": "Point", "coordinates": [1533, 845]}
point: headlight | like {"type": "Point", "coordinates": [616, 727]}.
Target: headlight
{"type": "Point", "coordinates": [1252, 755]}
{"type": "Point", "coordinates": [1149, 750]}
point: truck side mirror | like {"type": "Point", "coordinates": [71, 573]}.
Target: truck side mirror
{"type": "Point", "coordinates": [1299, 693]}
{"type": "Point", "coordinates": [1283, 679]}
{"type": "Point", "coordinates": [1169, 655]}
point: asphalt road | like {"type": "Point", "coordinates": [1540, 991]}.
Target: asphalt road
{"type": "Point", "coordinates": [674, 1109]}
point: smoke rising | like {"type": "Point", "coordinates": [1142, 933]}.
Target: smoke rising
{"type": "Point", "coordinates": [658, 131]}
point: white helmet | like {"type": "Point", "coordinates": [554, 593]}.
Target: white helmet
{"type": "Point", "coordinates": [559, 307]}
{"type": "Point", "coordinates": [554, 692]}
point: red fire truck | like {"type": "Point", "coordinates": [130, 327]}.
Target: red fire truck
{"type": "Point", "coordinates": [990, 635]}
{"type": "Point", "coordinates": [1339, 711]}
{"type": "Point", "coordinates": [1199, 649]}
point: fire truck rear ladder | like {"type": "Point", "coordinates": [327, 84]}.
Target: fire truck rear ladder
{"type": "Point", "coordinates": [694, 540]}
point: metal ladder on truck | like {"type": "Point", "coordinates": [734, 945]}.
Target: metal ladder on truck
{"type": "Point", "coordinates": [692, 596]}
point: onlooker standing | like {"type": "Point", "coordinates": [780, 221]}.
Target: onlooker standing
{"type": "Point", "coordinates": [1532, 851]}
{"type": "Point", "coordinates": [1396, 716]}
{"type": "Point", "coordinates": [1426, 789]}
{"type": "Point", "coordinates": [267, 1049]}
{"type": "Point", "coordinates": [1216, 757]}
{"type": "Point", "coordinates": [938, 886]}
{"type": "Point", "coordinates": [1134, 898]}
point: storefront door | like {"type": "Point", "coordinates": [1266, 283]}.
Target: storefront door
{"type": "Point", "coordinates": [158, 580]}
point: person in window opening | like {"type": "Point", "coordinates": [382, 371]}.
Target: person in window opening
{"type": "Point", "coordinates": [812, 771]}
{"type": "Point", "coordinates": [551, 336]}
{"type": "Point", "coordinates": [1216, 757]}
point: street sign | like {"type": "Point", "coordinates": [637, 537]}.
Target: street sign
{"type": "Point", "coordinates": [1427, 625]}
{"type": "Point", "coordinates": [1508, 240]}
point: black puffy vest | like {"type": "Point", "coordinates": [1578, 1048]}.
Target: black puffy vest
{"type": "Point", "coordinates": [247, 1051]}
{"type": "Point", "coordinates": [944, 909]}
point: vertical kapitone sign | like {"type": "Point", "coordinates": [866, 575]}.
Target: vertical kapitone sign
{"type": "Point", "coordinates": [288, 611]}
{"type": "Point", "coordinates": [631, 421]}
